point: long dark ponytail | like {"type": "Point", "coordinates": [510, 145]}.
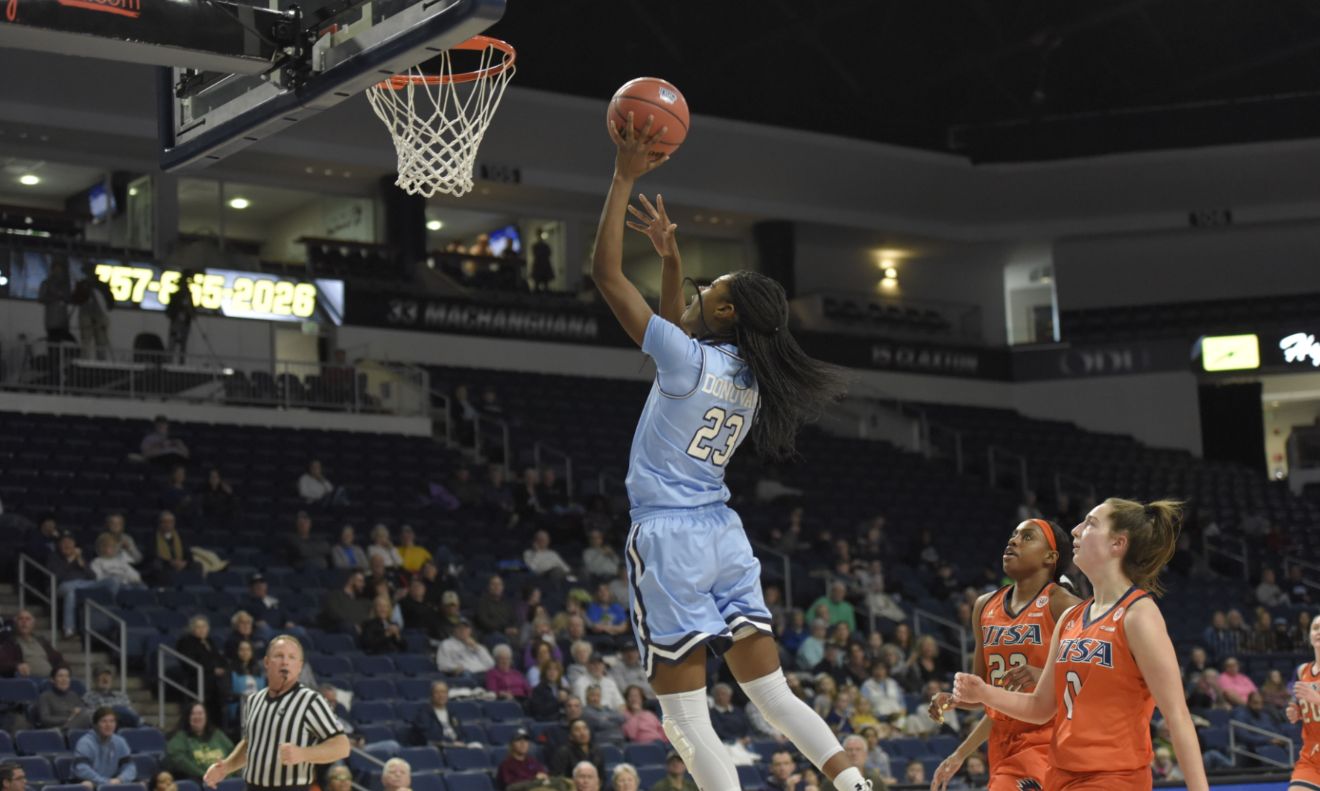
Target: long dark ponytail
{"type": "Point", "coordinates": [794, 387]}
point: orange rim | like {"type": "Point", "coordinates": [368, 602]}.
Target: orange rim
{"type": "Point", "coordinates": [476, 43]}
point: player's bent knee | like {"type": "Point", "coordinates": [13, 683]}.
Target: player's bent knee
{"type": "Point", "coordinates": [795, 719]}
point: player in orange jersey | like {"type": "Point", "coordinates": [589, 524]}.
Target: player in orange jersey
{"type": "Point", "coordinates": [1110, 662]}
{"type": "Point", "coordinates": [1306, 775]}
{"type": "Point", "coordinates": [1014, 626]}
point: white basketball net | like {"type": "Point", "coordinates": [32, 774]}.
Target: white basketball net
{"type": "Point", "coordinates": [437, 124]}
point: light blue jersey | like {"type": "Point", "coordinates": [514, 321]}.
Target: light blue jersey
{"type": "Point", "coordinates": [699, 411]}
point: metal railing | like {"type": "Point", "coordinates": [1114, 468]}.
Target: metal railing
{"type": "Point", "coordinates": [964, 648]}
{"type": "Point", "coordinates": [120, 646]}
{"type": "Point", "coordinates": [163, 679]}
{"type": "Point", "coordinates": [369, 758]}
{"type": "Point", "coordinates": [998, 458]}
{"type": "Point", "coordinates": [209, 378]}
{"type": "Point", "coordinates": [1305, 566]}
{"type": "Point", "coordinates": [479, 439]}
{"type": "Point", "coordinates": [1234, 750]}
{"type": "Point", "coordinates": [442, 413]}
{"type": "Point", "coordinates": [788, 569]}
{"type": "Point", "coordinates": [1237, 554]}
{"type": "Point", "coordinates": [540, 448]}
{"type": "Point", "coordinates": [951, 438]}
{"type": "Point", "coordinates": [49, 596]}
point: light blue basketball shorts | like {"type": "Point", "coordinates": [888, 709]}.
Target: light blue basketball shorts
{"type": "Point", "coordinates": [693, 581]}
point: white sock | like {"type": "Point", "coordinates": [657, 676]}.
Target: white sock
{"type": "Point", "coordinates": [687, 724]}
{"type": "Point", "coordinates": [850, 779]}
{"type": "Point", "coordinates": [795, 719]}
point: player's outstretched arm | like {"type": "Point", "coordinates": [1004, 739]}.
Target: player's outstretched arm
{"type": "Point", "coordinates": [632, 162]}
{"type": "Point", "coordinates": [1036, 706]}
{"type": "Point", "coordinates": [949, 767]}
{"type": "Point", "coordinates": [1149, 639]}
{"type": "Point", "coordinates": [653, 222]}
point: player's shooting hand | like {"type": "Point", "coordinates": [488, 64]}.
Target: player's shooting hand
{"type": "Point", "coordinates": [945, 772]}
{"type": "Point", "coordinates": [939, 703]}
{"type": "Point", "coordinates": [653, 223]}
{"type": "Point", "coordinates": [634, 158]}
{"type": "Point", "coordinates": [968, 688]}
{"type": "Point", "coordinates": [1293, 712]}
{"type": "Point", "coordinates": [1021, 677]}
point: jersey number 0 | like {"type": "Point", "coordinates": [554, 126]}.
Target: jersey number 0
{"type": "Point", "coordinates": [702, 444]}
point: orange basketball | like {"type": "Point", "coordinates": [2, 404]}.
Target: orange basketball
{"type": "Point", "coordinates": [652, 96]}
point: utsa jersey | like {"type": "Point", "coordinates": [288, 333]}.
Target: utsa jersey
{"type": "Point", "coordinates": [699, 411]}
{"type": "Point", "coordinates": [1104, 707]}
{"type": "Point", "coordinates": [1307, 772]}
{"type": "Point", "coordinates": [1019, 751]}
{"type": "Point", "coordinates": [1013, 639]}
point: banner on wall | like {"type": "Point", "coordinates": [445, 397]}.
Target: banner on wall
{"type": "Point", "coordinates": [1065, 361]}
{"type": "Point", "coordinates": [550, 320]}
{"type": "Point", "coordinates": [908, 357]}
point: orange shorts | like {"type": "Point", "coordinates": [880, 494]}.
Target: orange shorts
{"type": "Point", "coordinates": [1019, 761]}
{"type": "Point", "coordinates": [1305, 775]}
{"type": "Point", "coordinates": [1131, 780]}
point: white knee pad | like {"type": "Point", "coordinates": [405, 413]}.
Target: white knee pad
{"type": "Point", "coordinates": [795, 719]}
{"type": "Point", "coordinates": [687, 724]}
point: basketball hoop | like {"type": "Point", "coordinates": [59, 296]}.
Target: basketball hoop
{"type": "Point", "coordinates": [437, 127]}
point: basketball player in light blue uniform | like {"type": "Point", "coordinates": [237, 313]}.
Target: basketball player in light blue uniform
{"type": "Point", "coordinates": [727, 368]}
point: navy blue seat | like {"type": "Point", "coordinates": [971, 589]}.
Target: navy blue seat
{"type": "Point", "coordinates": [374, 689]}
{"type": "Point", "coordinates": [414, 665]}
{"type": "Point", "coordinates": [413, 688]}
{"type": "Point", "coordinates": [144, 740]}
{"type": "Point", "coordinates": [372, 711]}
{"type": "Point", "coordinates": [37, 769]}
{"type": "Point", "coordinates": [650, 754]}
{"type": "Point", "coordinates": [465, 759]}
{"type": "Point", "coordinates": [146, 764]}
{"type": "Point", "coordinates": [750, 777]}
{"type": "Point", "coordinates": [43, 742]}
{"type": "Point", "coordinates": [18, 690]}
{"type": "Point", "coordinates": [649, 775]}
{"type": "Point", "coordinates": [65, 787]}
{"type": "Point", "coordinates": [335, 644]}
{"type": "Point", "coordinates": [610, 754]}
{"type": "Point", "coordinates": [502, 732]}
{"type": "Point", "coordinates": [373, 665]}
{"type": "Point", "coordinates": [324, 665]}
{"type": "Point", "coordinates": [504, 711]}
{"type": "Point", "coordinates": [469, 781]}
{"type": "Point", "coordinates": [423, 759]}
{"type": "Point", "coordinates": [426, 782]}
{"type": "Point", "coordinates": [467, 710]}
{"type": "Point", "coordinates": [6, 744]}
{"type": "Point", "coordinates": [64, 767]}
{"type": "Point", "coordinates": [187, 785]}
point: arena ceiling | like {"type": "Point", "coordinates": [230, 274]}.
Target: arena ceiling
{"type": "Point", "coordinates": [992, 80]}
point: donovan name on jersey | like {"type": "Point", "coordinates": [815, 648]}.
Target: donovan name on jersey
{"type": "Point", "coordinates": [726, 390]}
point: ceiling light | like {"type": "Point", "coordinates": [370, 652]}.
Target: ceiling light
{"type": "Point", "coordinates": [889, 283]}
{"type": "Point", "coordinates": [434, 225]}
{"type": "Point", "coordinates": [132, 191]}
{"type": "Point", "coordinates": [239, 203]}
{"type": "Point", "coordinates": [891, 273]}
{"type": "Point", "coordinates": [29, 180]}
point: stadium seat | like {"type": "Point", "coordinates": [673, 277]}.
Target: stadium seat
{"type": "Point", "coordinates": [418, 689]}
{"type": "Point", "coordinates": [425, 782]}
{"type": "Point", "coordinates": [63, 765]}
{"type": "Point", "coordinates": [144, 740]}
{"type": "Point", "coordinates": [501, 733]}
{"type": "Point", "coordinates": [146, 764]}
{"type": "Point", "coordinates": [65, 787]}
{"type": "Point", "coordinates": [469, 781]}
{"type": "Point", "coordinates": [750, 778]}
{"type": "Point", "coordinates": [18, 690]}
{"type": "Point", "coordinates": [373, 665]}
{"type": "Point", "coordinates": [366, 711]}
{"type": "Point", "coordinates": [423, 759]}
{"type": "Point", "coordinates": [326, 665]}
{"type": "Point", "coordinates": [38, 770]}
{"type": "Point", "coordinates": [467, 710]}
{"type": "Point", "coordinates": [465, 759]}
{"type": "Point", "coordinates": [335, 644]}
{"type": "Point", "coordinates": [610, 754]}
{"type": "Point", "coordinates": [6, 744]}
{"type": "Point", "coordinates": [187, 785]}
{"type": "Point", "coordinates": [651, 754]}
{"type": "Point", "coordinates": [504, 711]}
{"type": "Point", "coordinates": [374, 689]}
{"type": "Point", "coordinates": [415, 665]}
{"type": "Point", "coordinates": [649, 775]}
{"type": "Point", "coordinates": [46, 742]}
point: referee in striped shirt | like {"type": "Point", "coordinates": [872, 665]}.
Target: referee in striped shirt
{"type": "Point", "coordinates": [286, 728]}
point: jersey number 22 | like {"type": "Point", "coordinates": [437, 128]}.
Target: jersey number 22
{"type": "Point", "coordinates": [702, 447]}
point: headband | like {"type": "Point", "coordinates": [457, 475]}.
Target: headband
{"type": "Point", "coordinates": [1047, 530]}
